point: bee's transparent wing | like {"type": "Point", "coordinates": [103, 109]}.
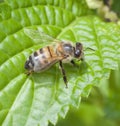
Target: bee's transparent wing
{"type": "Point", "coordinates": [39, 37]}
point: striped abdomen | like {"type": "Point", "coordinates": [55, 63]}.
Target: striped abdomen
{"type": "Point", "coordinates": [43, 58]}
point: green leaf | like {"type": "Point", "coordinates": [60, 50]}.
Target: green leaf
{"type": "Point", "coordinates": [115, 7]}
{"type": "Point", "coordinates": [5, 11]}
{"type": "Point", "coordinates": [42, 98]}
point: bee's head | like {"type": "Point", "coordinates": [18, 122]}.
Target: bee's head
{"type": "Point", "coordinates": [78, 53]}
{"type": "Point", "coordinates": [29, 64]}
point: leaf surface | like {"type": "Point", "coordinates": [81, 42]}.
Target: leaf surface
{"type": "Point", "coordinates": [43, 98]}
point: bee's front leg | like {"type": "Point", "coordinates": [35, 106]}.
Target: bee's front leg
{"type": "Point", "coordinates": [63, 73]}
{"type": "Point", "coordinates": [73, 63]}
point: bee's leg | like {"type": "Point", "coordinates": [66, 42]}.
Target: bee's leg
{"type": "Point", "coordinates": [64, 74]}
{"type": "Point", "coordinates": [28, 73]}
{"type": "Point", "coordinates": [72, 62]}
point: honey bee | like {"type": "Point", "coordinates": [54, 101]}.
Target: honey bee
{"type": "Point", "coordinates": [60, 52]}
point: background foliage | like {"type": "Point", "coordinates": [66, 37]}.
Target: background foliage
{"type": "Point", "coordinates": [36, 100]}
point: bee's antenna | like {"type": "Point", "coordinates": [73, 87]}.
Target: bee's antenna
{"type": "Point", "coordinates": [89, 49]}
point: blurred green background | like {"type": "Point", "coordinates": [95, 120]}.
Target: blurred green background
{"type": "Point", "coordinates": [101, 108]}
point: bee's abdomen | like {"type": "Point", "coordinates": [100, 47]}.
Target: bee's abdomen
{"type": "Point", "coordinates": [29, 64]}
{"type": "Point", "coordinates": [42, 58]}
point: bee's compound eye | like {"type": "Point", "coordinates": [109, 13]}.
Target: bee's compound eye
{"type": "Point", "coordinates": [78, 49]}
{"type": "Point", "coordinates": [77, 53]}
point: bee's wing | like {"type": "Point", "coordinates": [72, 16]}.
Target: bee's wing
{"type": "Point", "coordinates": [39, 37]}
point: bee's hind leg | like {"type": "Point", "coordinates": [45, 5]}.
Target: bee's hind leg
{"type": "Point", "coordinates": [63, 73]}
{"type": "Point", "coordinates": [28, 73]}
